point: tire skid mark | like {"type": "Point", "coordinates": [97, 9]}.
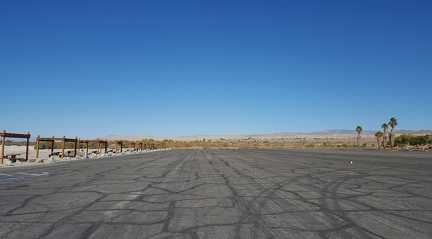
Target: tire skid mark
{"type": "Point", "coordinates": [266, 194]}
{"type": "Point", "coordinates": [332, 204]}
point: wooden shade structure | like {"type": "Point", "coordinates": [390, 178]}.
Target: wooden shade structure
{"type": "Point", "coordinates": [52, 140]}
{"type": "Point", "coordinates": [133, 145]}
{"type": "Point", "coordinates": [5, 135]}
{"type": "Point", "coordinates": [101, 144]}
{"type": "Point", "coordinates": [104, 143]}
{"type": "Point", "coordinates": [119, 144]}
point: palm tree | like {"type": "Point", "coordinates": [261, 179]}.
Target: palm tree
{"type": "Point", "coordinates": [384, 127]}
{"type": "Point", "coordinates": [392, 123]}
{"type": "Point", "coordinates": [379, 136]}
{"type": "Point", "coordinates": [359, 129]}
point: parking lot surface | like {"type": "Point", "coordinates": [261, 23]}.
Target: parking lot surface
{"type": "Point", "coordinates": [222, 194]}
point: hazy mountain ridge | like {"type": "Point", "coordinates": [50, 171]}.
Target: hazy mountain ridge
{"type": "Point", "coordinates": [334, 133]}
{"type": "Point", "coordinates": [340, 131]}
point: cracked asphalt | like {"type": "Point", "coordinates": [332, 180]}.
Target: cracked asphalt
{"type": "Point", "coordinates": [222, 194]}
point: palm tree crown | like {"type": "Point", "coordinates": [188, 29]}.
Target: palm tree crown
{"type": "Point", "coordinates": [393, 122]}
{"type": "Point", "coordinates": [359, 129]}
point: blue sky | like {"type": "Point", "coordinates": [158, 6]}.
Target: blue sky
{"type": "Point", "coordinates": [171, 68]}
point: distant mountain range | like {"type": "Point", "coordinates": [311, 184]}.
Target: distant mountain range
{"type": "Point", "coordinates": [334, 133]}
{"type": "Point", "coordinates": [366, 132]}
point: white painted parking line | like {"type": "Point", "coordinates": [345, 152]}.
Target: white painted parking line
{"type": "Point", "coordinates": [30, 174]}
{"type": "Point", "coordinates": [40, 174]}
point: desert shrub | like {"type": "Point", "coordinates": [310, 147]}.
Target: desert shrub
{"type": "Point", "coordinates": [405, 139]}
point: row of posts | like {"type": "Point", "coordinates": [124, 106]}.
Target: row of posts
{"type": "Point", "coordinates": [138, 146]}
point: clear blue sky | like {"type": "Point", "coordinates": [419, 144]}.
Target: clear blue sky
{"type": "Point", "coordinates": [170, 68]}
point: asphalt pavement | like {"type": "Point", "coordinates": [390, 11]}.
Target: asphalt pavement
{"type": "Point", "coordinates": [222, 194]}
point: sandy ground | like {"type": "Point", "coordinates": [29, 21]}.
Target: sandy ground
{"type": "Point", "coordinates": [21, 150]}
{"type": "Point", "coordinates": [43, 153]}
